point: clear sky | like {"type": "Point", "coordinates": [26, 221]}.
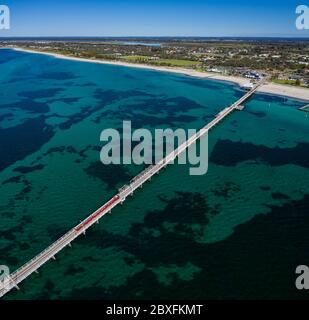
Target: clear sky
{"type": "Point", "coordinates": [153, 18]}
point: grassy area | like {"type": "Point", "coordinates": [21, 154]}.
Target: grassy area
{"type": "Point", "coordinates": [136, 58]}
{"type": "Point", "coordinates": [289, 82]}
{"type": "Point", "coordinates": [176, 63]}
{"type": "Point", "coordinates": [162, 62]}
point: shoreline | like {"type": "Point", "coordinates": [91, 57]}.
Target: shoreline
{"type": "Point", "coordinates": [268, 88]}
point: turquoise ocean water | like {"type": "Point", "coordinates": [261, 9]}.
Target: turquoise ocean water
{"type": "Point", "coordinates": [237, 232]}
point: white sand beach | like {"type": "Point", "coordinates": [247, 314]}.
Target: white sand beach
{"type": "Point", "coordinates": [270, 88]}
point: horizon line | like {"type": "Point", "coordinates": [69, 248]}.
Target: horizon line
{"type": "Point", "coordinates": [181, 37]}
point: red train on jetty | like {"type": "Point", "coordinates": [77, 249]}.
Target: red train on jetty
{"type": "Point", "coordinates": [85, 223]}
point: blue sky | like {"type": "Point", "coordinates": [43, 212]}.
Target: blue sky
{"type": "Point", "coordinates": [153, 18]}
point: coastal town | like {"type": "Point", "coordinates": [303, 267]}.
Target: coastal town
{"type": "Point", "coordinates": [285, 61]}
